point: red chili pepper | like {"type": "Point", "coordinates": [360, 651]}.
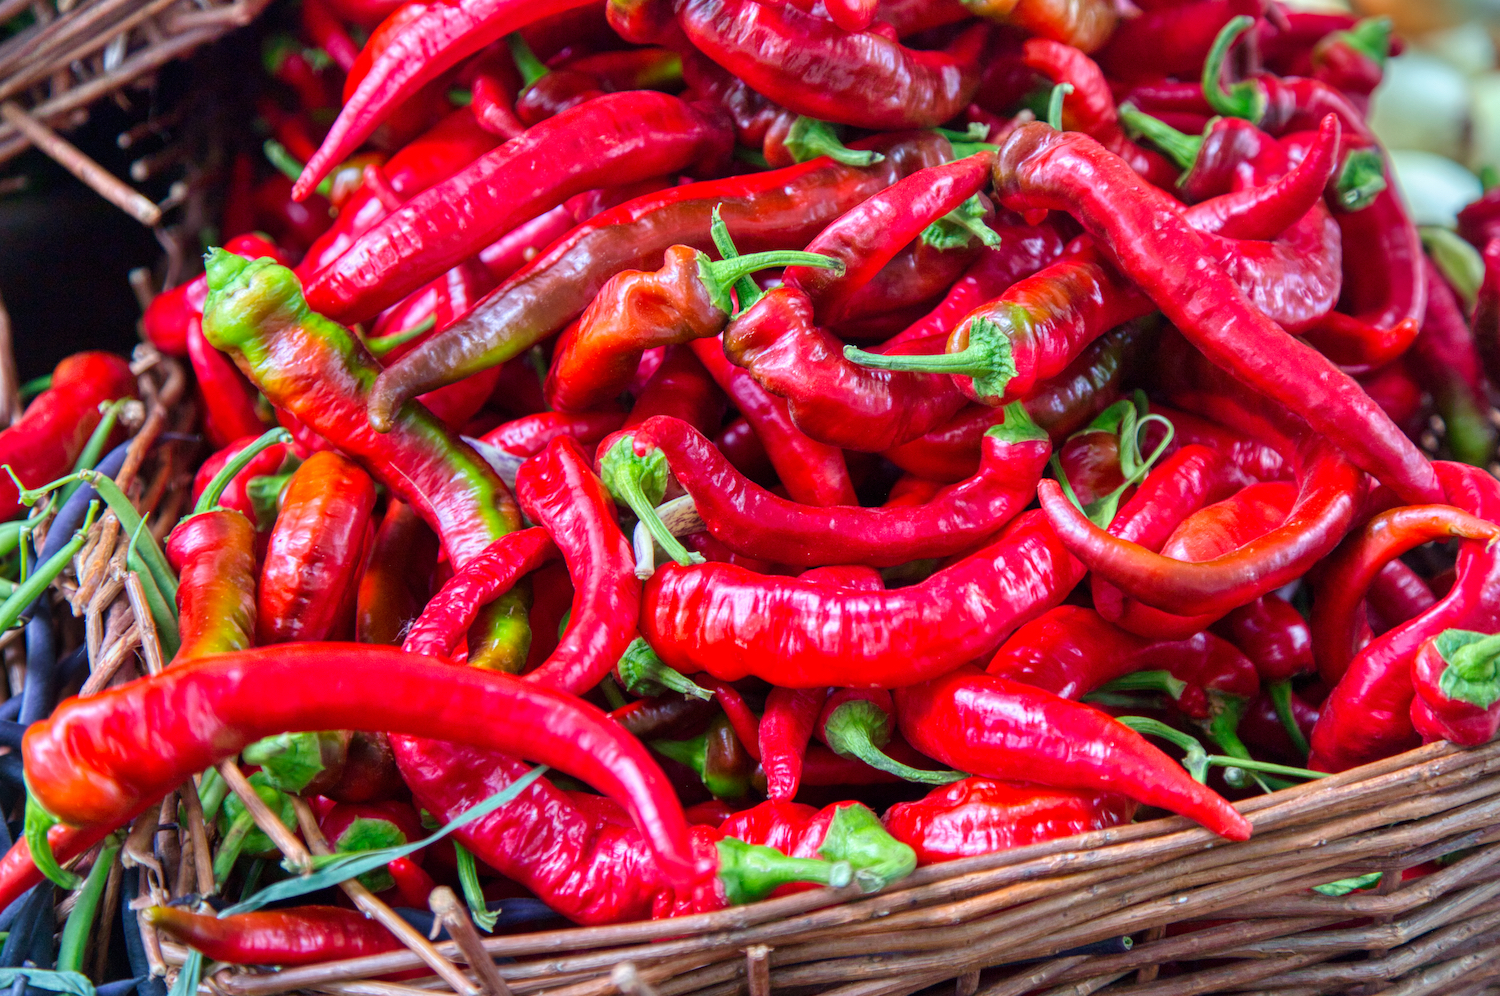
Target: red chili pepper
{"type": "Point", "coordinates": [1173, 41]}
{"type": "Point", "coordinates": [43, 444]}
{"type": "Point", "coordinates": [1090, 108]}
{"type": "Point", "coordinates": [1344, 579]}
{"type": "Point", "coordinates": [998, 728]}
{"type": "Point", "coordinates": [529, 435]}
{"type": "Point", "coordinates": [294, 225]}
{"type": "Point", "coordinates": [323, 28]}
{"type": "Point", "coordinates": [665, 716]}
{"type": "Point", "coordinates": [914, 280]}
{"type": "Point", "coordinates": [1353, 60]}
{"type": "Point", "coordinates": [1039, 168]}
{"type": "Point", "coordinates": [1397, 594]}
{"type": "Point", "coordinates": [1456, 692]}
{"type": "Point", "coordinates": [315, 552]}
{"type": "Point", "coordinates": [841, 831]}
{"type": "Point", "coordinates": [860, 723]}
{"type": "Point", "coordinates": [771, 210]}
{"type": "Point", "coordinates": [446, 148]}
{"type": "Point", "coordinates": [1445, 359]}
{"type": "Point", "coordinates": [1273, 635]}
{"type": "Point", "coordinates": [814, 67]}
{"type": "Point", "coordinates": [758, 523]}
{"type": "Point", "coordinates": [742, 448]}
{"type": "Point", "coordinates": [622, 138]}
{"type": "Point", "coordinates": [85, 772]}
{"type": "Point", "coordinates": [300, 935]}
{"type": "Point", "coordinates": [272, 460]}
{"type": "Point", "coordinates": [813, 473]}
{"type": "Point", "coordinates": [168, 315]}
{"type": "Point", "coordinates": [576, 852]}
{"type": "Point", "coordinates": [688, 298]}
{"type": "Point", "coordinates": [713, 617]}
{"type": "Point", "coordinates": [785, 728]}
{"type": "Point", "coordinates": [1247, 459]}
{"type": "Point", "coordinates": [412, 883]}
{"type": "Point", "coordinates": [1367, 716]}
{"type": "Point", "coordinates": [230, 411]}
{"type": "Point", "coordinates": [415, 45]}
{"type": "Point", "coordinates": [981, 816]}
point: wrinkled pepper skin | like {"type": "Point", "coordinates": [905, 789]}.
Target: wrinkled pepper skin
{"type": "Point", "coordinates": [87, 769]}
{"type": "Point", "coordinates": [213, 554]}
{"type": "Point", "coordinates": [998, 728]}
{"type": "Point", "coordinates": [316, 550]}
{"type": "Point", "coordinates": [316, 370]}
{"type": "Point", "coordinates": [798, 634]}
{"type": "Point", "coordinates": [44, 442]}
{"type": "Point", "coordinates": [981, 816]}
{"type": "Point", "coordinates": [301, 935]}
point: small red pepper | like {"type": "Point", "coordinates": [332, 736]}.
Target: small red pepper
{"type": "Point", "coordinates": [797, 634]}
{"type": "Point", "coordinates": [785, 729]}
{"type": "Point", "coordinates": [1455, 676]}
{"type": "Point", "coordinates": [299, 935]}
{"type": "Point", "coordinates": [998, 728]}
{"type": "Point", "coordinates": [981, 816]}
{"type": "Point", "coordinates": [1273, 634]}
{"type": "Point", "coordinates": [308, 580]}
{"type": "Point", "coordinates": [43, 444]}
{"type": "Point", "coordinates": [394, 585]}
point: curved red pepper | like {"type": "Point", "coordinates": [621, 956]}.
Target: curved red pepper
{"type": "Point", "coordinates": [1040, 168]}
{"type": "Point", "coordinates": [981, 816]}
{"type": "Point", "coordinates": [299, 935]}
{"type": "Point", "coordinates": [998, 728]}
{"type": "Point", "coordinates": [613, 139]}
{"type": "Point", "coordinates": [1454, 677]}
{"type": "Point", "coordinates": [815, 68]}
{"type": "Point", "coordinates": [1272, 634]}
{"type": "Point", "coordinates": [796, 634]}
{"type": "Point", "coordinates": [213, 554]}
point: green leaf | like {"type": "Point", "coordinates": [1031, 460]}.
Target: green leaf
{"type": "Point", "coordinates": [1344, 886]}
{"type": "Point", "coordinates": [189, 976]}
{"type": "Point", "coordinates": [54, 982]}
{"type": "Point", "coordinates": [468, 877]}
{"type": "Point", "coordinates": [330, 870]}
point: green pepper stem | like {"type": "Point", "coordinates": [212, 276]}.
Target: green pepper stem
{"type": "Point", "coordinates": [855, 835]}
{"type": "Point", "coordinates": [1281, 698]}
{"type": "Point", "coordinates": [751, 871]}
{"type": "Point", "coordinates": [745, 289]}
{"type": "Point", "coordinates": [1249, 764]}
{"type": "Point", "coordinates": [1361, 179]}
{"type": "Point", "coordinates": [36, 823]}
{"type": "Point", "coordinates": [1245, 99]}
{"type": "Point", "coordinates": [1147, 681]}
{"type": "Point", "coordinates": [230, 847]}
{"type": "Point", "coordinates": [468, 879]}
{"type": "Point", "coordinates": [381, 346]}
{"type": "Point", "coordinates": [94, 449]}
{"type": "Point", "coordinates": [290, 166]}
{"type": "Point", "coordinates": [1018, 427]}
{"type": "Point", "coordinates": [624, 474]}
{"type": "Point", "coordinates": [1055, 105]}
{"type": "Point", "coordinates": [1371, 36]}
{"type": "Point", "coordinates": [35, 386]}
{"type": "Point", "coordinates": [642, 672]}
{"type": "Point", "coordinates": [1223, 726]}
{"type": "Point", "coordinates": [530, 67]}
{"type": "Point", "coordinates": [209, 500]}
{"type": "Point", "coordinates": [808, 138]}
{"type": "Point", "coordinates": [858, 729]}
{"type": "Point", "coordinates": [988, 359]}
{"type": "Point", "coordinates": [718, 277]}
{"type": "Point", "coordinates": [1196, 761]}
{"type": "Point", "coordinates": [1180, 147]}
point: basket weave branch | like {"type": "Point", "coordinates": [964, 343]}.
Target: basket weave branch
{"type": "Point", "coordinates": [66, 54]}
{"type": "Point", "coordinates": [1237, 916]}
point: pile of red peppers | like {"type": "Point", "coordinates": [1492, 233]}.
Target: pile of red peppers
{"type": "Point", "coordinates": [835, 437]}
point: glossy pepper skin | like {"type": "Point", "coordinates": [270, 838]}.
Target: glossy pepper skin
{"type": "Point", "coordinates": [300, 935]}
{"type": "Point", "coordinates": [797, 634]}
{"type": "Point", "coordinates": [1273, 635]}
{"type": "Point", "coordinates": [86, 768]}
{"type": "Point", "coordinates": [559, 490]}
{"type": "Point", "coordinates": [1344, 580]}
{"type": "Point", "coordinates": [1367, 716]}
{"type": "Point", "coordinates": [1040, 168]}
{"type": "Point", "coordinates": [45, 441]}
{"type": "Point", "coordinates": [777, 209]}
{"type": "Point", "coordinates": [611, 140]}
{"type": "Point", "coordinates": [317, 548]}
{"type": "Point", "coordinates": [758, 523]}
{"type": "Point", "coordinates": [812, 67]}
{"type": "Point", "coordinates": [813, 473]}
{"type": "Point", "coordinates": [785, 729]}
{"type": "Point", "coordinates": [229, 409]}
{"type": "Point", "coordinates": [997, 728]}
{"type": "Point", "coordinates": [578, 852]}
{"type": "Point", "coordinates": [317, 370]}
{"type": "Point", "coordinates": [415, 45]}
{"type": "Point", "coordinates": [981, 816]}
{"type": "Point", "coordinates": [213, 554]}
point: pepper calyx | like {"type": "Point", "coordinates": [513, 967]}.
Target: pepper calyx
{"type": "Point", "coordinates": [209, 500]}
{"type": "Point", "coordinates": [987, 359]}
{"type": "Point", "coordinates": [1179, 146]}
{"type": "Point", "coordinates": [747, 291]}
{"type": "Point", "coordinates": [1018, 427]}
{"type": "Point", "coordinates": [1361, 179]}
{"type": "Point", "coordinates": [1055, 105]}
{"type": "Point", "coordinates": [1245, 99]}
{"type": "Point", "coordinates": [641, 672]}
{"type": "Point", "coordinates": [959, 227]}
{"type": "Point", "coordinates": [752, 871]}
{"type": "Point", "coordinates": [640, 482]}
{"type": "Point", "coordinates": [1473, 671]}
{"type": "Point", "coordinates": [719, 277]}
{"type": "Point", "coordinates": [857, 836]}
{"type": "Point", "coordinates": [859, 729]}
{"type": "Point", "coordinates": [808, 138]}
{"type": "Point", "coordinates": [291, 761]}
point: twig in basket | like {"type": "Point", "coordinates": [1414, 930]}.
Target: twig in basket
{"type": "Point", "coordinates": [373, 907]}
{"type": "Point", "coordinates": [75, 161]}
{"type": "Point", "coordinates": [627, 980]}
{"type": "Point", "coordinates": [10, 380]}
{"type": "Point", "coordinates": [198, 835]}
{"type": "Point", "coordinates": [758, 970]}
{"type": "Point", "coordinates": [453, 914]}
{"type": "Point", "coordinates": [106, 668]}
{"type": "Point", "coordinates": [265, 820]}
{"type": "Point", "coordinates": [150, 641]}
